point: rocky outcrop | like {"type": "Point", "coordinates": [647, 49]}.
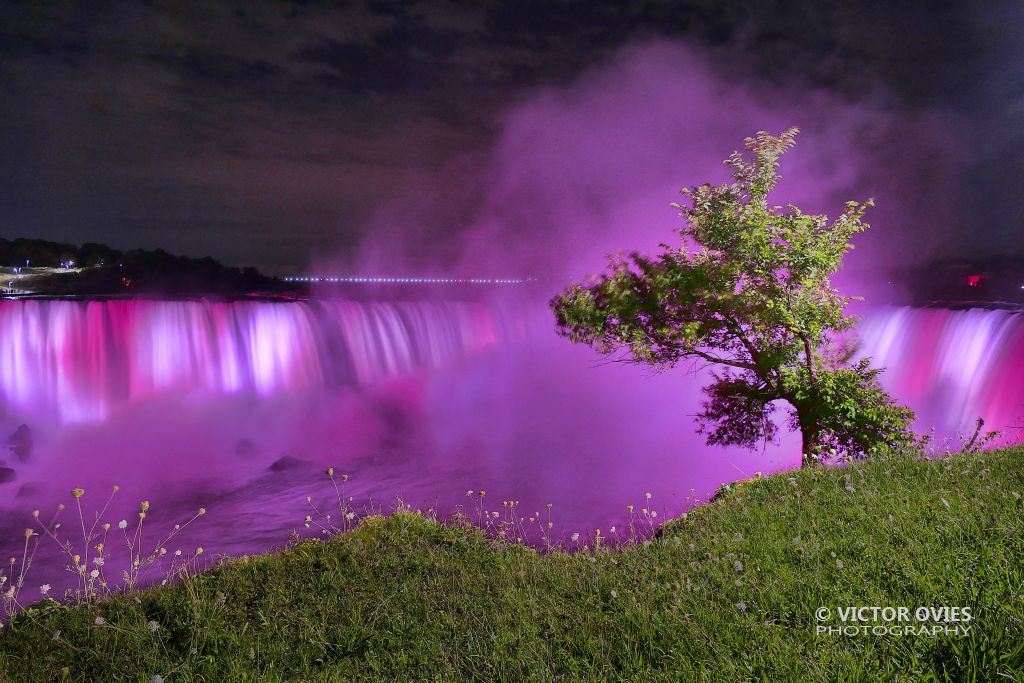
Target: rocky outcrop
{"type": "Point", "coordinates": [21, 444]}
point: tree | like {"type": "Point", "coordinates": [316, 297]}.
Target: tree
{"type": "Point", "coordinates": [747, 292]}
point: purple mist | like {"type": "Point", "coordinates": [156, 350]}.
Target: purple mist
{"type": "Point", "coordinates": [239, 407]}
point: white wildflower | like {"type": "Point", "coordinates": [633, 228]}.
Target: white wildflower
{"type": "Point", "coordinates": [737, 565]}
{"type": "Point", "coordinates": [44, 589]}
{"type": "Point", "coordinates": [741, 606]}
{"type": "Point", "coordinates": [123, 524]}
{"type": "Point", "coordinates": [100, 621]}
{"type": "Point", "coordinates": [152, 626]}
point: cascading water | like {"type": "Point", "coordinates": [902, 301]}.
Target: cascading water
{"type": "Point", "coordinates": [952, 367]}
{"type": "Point", "coordinates": [78, 359]}
{"type": "Point", "coordinates": [239, 407]}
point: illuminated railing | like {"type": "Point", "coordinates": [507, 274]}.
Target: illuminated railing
{"type": "Point", "coordinates": [352, 279]}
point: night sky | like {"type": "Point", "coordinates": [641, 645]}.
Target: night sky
{"type": "Point", "coordinates": [267, 133]}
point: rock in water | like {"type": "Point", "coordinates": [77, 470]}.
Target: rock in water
{"type": "Point", "coordinates": [287, 463]}
{"type": "Point", "coordinates": [21, 443]}
{"type": "Point", "coordinates": [7, 474]}
{"type": "Point", "coordinates": [245, 448]}
{"type": "Point", "coordinates": [28, 490]}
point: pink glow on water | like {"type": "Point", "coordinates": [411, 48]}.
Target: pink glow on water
{"type": "Point", "coordinates": [189, 403]}
{"type": "Point", "coordinates": [952, 367]}
{"type": "Point", "coordinates": [78, 360]}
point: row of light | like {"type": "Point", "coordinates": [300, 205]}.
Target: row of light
{"type": "Point", "coordinates": [413, 280]}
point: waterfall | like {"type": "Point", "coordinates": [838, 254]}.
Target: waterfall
{"type": "Point", "coordinates": [78, 359]}
{"type": "Point", "coordinates": [952, 367]}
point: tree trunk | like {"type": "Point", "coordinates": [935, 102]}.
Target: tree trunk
{"type": "Point", "coordinates": [810, 437]}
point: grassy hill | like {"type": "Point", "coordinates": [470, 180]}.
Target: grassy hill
{"type": "Point", "coordinates": [728, 593]}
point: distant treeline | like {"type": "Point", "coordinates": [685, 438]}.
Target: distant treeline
{"type": "Point", "coordinates": [110, 271]}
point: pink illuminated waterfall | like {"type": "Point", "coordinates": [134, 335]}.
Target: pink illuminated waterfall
{"type": "Point", "coordinates": [75, 360]}
{"type": "Point", "coordinates": [952, 367]}
{"type": "Point", "coordinates": [78, 359]}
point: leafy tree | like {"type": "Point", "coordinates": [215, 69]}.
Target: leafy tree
{"type": "Point", "coordinates": [747, 292]}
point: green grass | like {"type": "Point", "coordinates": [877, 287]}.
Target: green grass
{"type": "Point", "coordinates": [406, 598]}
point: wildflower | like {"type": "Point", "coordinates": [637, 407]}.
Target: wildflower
{"type": "Point", "coordinates": [575, 537]}
{"type": "Point", "coordinates": [481, 493]}
{"type": "Point", "coordinates": [792, 481]}
{"type": "Point", "coordinates": [100, 621]}
{"type": "Point", "coordinates": [156, 678]}
{"type": "Point", "coordinates": [691, 547]}
{"type": "Point", "coordinates": [202, 511]}
{"type": "Point", "coordinates": [469, 492]}
{"type": "Point", "coordinates": [95, 573]}
{"type": "Point", "coordinates": [839, 564]}
{"type": "Point", "coordinates": [849, 487]}
{"type": "Point", "coordinates": [163, 551]}
{"type": "Point", "coordinates": [106, 526]}
{"type": "Point", "coordinates": [737, 537]}
{"type": "Point", "coordinates": [56, 635]}
{"type": "Point", "coordinates": [344, 477]}
{"type": "Point", "coordinates": [629, 508]}
{"type": "Point", "coordinates": [77, 493]}
{"type": "Point", "coordinates": [741, 606]}
{"type": "Point", "coordinates": [199, 550]}
{"type": "Point", "coordinates": [29, 533]}
{"type": "Point", "coordinates": [123, 524]}
{"type": "Point", "coordinates": [350, 516]}
{"type": "Point", "coordinates": [647, 495]}
{"type": "Point", "coordinates": [614, 594]}
{"type": "Point", "coordinates": [177, 553]}
{"type": "Point", "coordinates": [143, 506]}
{"type": "Point", "coordinates": [612, 530]}
{"type": "Point", "coordinates": [116, 488]}
{"type": "Point", "coordinates": [494, 514]}
{"type": "Point", "coordinates": [98, 561]}
{"type": "Point", "coordinates": [35, 513]}
{"type": "Point", "coordinates": [9, 593]}
{"type": "Point", "coordinates": [44, 589]}
{"type": "Point", "coordinates": [330, 471]}
{"type": "Point", "coordinates": [654, 513]}
{"type": "Point", "coordinates": [152, 626]}
{"type": "Point", "coordinates": [738, 566]}
{"type": "Point", "coordinates": [221, 598]}
{"type": "Point", "coordinates": [1016, 496]}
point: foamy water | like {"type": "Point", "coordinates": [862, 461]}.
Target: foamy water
{"type": "Point", "coordinates": [192, 403]}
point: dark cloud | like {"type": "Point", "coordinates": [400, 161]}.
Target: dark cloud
{"type": "Point", "coordinates": [264, 131]}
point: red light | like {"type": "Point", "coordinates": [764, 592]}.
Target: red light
{"type": "Point", "coordinates": [974, 280]}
